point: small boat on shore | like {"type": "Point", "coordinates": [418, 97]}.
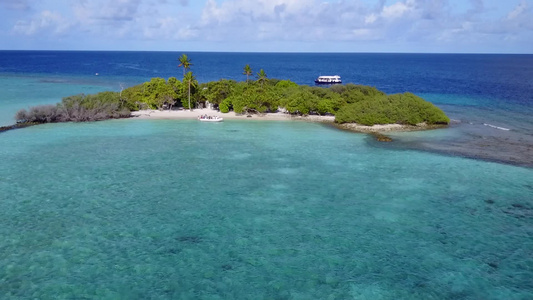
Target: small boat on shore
{"type": "Point", "coordinates": [206, 118]}
{"type": "Point", "coordinates": [336, 79]}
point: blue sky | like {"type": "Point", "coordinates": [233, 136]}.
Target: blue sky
{"type": "Point", "coordinates": [433, 26]}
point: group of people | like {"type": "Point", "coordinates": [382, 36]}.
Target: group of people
{"type": "Point", "coordinates": [204, 117]}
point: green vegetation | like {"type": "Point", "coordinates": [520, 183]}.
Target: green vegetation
{"type": "Point", "coordinates": [157, 92]}
{"type": "Point", "coordinates": [247, 72]}
{"type": "Point", "coordinates": [348, 103]}
{"type": "Point", "coordinates": [78, 108]}
{"type": "Point", "coordinates": [188, 77]}
{"type": "Point", "coordinates": [404, 108]}
{"type": "Point", "coordinates": [160, 94]}
{"type": "Point", "coordinates": [262, 77]}
{"type": "Point", "coordinates": [185, 63]}
{"type": "Point", "coordinates": [191, 83]}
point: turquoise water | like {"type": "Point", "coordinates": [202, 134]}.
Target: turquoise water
{"type": "Point", "coordinates": [481, 128]}
{"type": "Point", "coordinates": [160, 209]}
{"type": "Point", "coordinates": [21, 92]}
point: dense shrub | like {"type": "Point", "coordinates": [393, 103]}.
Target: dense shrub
{"type": "Point", "coordinates": [283, 84]}
{"type": "Point", "coordinates": [254, 97]}
{"type": "Point", "coordinates": [39, 114]}
{"type": "Point", "coordinates": [328, 100]}
{"type": "Point", "coordinates": [156, 94]}
{"type": "Point", "coordinates": [78, 108]}
{"type": "Point", "coordinates": [398, 108]}
{"type": "Point", "coordinates": [300, 101]}
{"type": "Point", "coordinates": [354, 93]}
{"type": "Point", "coordinates": [216, 91]}
{"type": "Point", "coordinates": [133, 97]}
{"type": "Point", "coordinates": [225, 105]}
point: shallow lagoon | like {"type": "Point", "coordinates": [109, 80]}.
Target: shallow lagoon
{"type": "Point", "coordinates": [166, 209]}
{"type": "Point", "coordinates": [182, 209]}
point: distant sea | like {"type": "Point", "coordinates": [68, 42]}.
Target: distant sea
{"type": "Point", "coordinates": [162, 209]}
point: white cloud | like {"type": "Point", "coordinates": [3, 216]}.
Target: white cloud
{"type": "Point", "coordinates": [285, 20]}
{"type": "Point", "coordinates": [170, 28]}
{"type": "Point", "coordinates": [46, 22]}
{"type": "Point", "coordinates": [117, 10]}
{"type": "Point", "coordinates": [279, 22]}
{"type": "Point", "coordinates": [128, 19]}
{"type": "Point", "coordinates": [249, 12]}
{"type": "Point", "coordinates": [397, 9]}
{"type": "Point", "coordinates": [370, 19]}
{"type": "Point", "coordinates": [365, 34]}
{"type": "Point", "coordinates": [520, 10]}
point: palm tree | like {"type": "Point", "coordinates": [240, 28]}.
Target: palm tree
{"type": "Point", "coordinates": [261, 76]}
{"type": "Point", "coordinates": [247, 71]}
{"type": "Point", "coordinates": [191, 80]}
{"type": "Point", "coordinates": [185, 62]}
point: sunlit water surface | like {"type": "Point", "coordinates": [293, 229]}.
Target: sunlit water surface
{"type": "Point", "coordinates": [160, 209]}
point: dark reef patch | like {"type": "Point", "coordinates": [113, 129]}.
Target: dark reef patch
{"type": "Point", "coordinates": [18, 126]}
{"type": "Point", "coordinates": [189, 239]}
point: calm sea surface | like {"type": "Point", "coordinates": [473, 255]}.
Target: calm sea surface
{"type": "Point", "coordinates": [161, 209]}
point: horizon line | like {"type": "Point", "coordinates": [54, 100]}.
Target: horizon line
{"type": "Point", "coordinates": [272, 52]}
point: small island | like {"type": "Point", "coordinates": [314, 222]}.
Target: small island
{"type": "Point", "coordinates": [353, 107]}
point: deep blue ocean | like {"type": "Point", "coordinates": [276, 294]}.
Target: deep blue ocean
{"type": "Point", "coordinates": [177, 209]}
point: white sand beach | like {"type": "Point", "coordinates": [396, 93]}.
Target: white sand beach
{"type": "Point", "coordinates": [195, 113]}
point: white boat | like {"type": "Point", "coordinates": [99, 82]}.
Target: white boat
{"type": "Point", "coordinates": [210, 119]}
{"type": "Point", "coordinates": [336, 79]}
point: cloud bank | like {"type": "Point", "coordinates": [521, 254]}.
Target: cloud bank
{"type": "Point", "coordinates": [285, 25]}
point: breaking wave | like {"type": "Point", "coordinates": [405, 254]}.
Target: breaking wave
{"type": "Point", "coordinates": [497, 127]}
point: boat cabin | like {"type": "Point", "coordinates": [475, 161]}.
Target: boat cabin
{"type": "Point", "coordinates": [328, 80]}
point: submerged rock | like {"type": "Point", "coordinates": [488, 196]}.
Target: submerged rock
{"type": "Point", "coordinates": [189, 239]}
{"type": "Point", "coordinates": [381, 137]}
{"type": "Point", "coordinates": [519, 211]}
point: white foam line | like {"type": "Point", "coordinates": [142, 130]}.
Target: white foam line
{"type": "Point", "coordinates": [497, 127]}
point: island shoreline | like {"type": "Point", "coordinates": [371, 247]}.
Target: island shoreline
{"type": "Point", "coordinates": [279, 116]}
{"type": "Point", "coordinates": [377, 132]}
